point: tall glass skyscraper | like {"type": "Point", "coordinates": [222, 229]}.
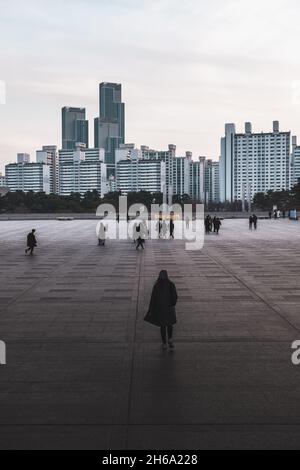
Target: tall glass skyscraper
{"type": "Point", "coordinates": [75, 128]}
{"type": "Point", "coordinates": [110, 126]}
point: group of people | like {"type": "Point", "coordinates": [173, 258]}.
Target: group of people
{"type": "Point", "coordinates": [276, 214]}
{"type": "Point", "coordinates": [253, 220]}
{"type": "Point", "coordinates": [161, 311]}
{"type": "Point", "coordinates": [212, 225]}
{"type": "Point", "coordinates": [164, 229]}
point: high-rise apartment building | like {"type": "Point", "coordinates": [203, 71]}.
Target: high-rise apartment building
{"type": "Point", "coordinates": [23, 158]}
{"type": "Point", "coordinates": [110, 125]}
{"type": "Point", "coordinates": [49, 156]}
{"type": "Point", "coordinates": [28, 177]}
{"type": "Point", "coordinates": [254, 163]}
{"type": "Point", "coordinates": [82, 170]}
{"type": "Point", "coordinates": [166, 156]}
{"type": "Point", "coordinates": [295, 164]}
{"type": "Point", "coordinates": [181, 175]}
{"type": "Point", "coordinates": [212, 181]}
{"type": "Point", "coordinates": [75, 128]}
{"type": "Point", "coordinates": [197, 180]}
{"type": "Point", "coordinates": [2, 181]}
{"type": "Point", "coordinates": [136, 174]}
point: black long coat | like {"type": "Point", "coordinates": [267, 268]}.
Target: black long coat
{"type": "Point", "coordinates": [31, 240]}
{"type": "Point", "coordinates": [162, 305]}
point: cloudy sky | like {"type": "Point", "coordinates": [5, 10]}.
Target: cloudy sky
{"type": "Point", "coordinates": [187, 67]}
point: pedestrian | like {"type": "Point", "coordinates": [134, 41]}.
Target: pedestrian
{"type": "Point", "coordinates": [102, 234]}
{"type": "Point", "coordinates": [172, 227]}
{"type": "Point", "coordinates": [141, 236]}
{"type": "Point", "coordinates": [255, 219]}
{"type": "Point", "coordinates": [214, 224]}
{"type": "Point", "coordinates": [187, 222]}
{"type": "Point", "coordinates": [270, 215]}
{"type": "Point", "coordinates": [162, 311]}
{"type": "Point", "coordinates": [31, 242]}
{"type": "Point", "coordinates": [164, 230]}
{"type": "Point", "coordinates": [160, 224]}
{"type": "Point", "coordinates": [250, 222]}
{"type": "Point", "coordinates": [217, 225]}
{"type": "Point", "coordinates": [207, 223]}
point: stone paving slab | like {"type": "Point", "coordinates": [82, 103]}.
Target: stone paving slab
{"type": "Point", "coordinates": [85, 371]}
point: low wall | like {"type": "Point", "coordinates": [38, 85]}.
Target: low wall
{"type": "Point", "coordinates": [92, 216]}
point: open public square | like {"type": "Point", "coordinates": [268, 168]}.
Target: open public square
{"type": "Point", "coordinates": [85, 371]}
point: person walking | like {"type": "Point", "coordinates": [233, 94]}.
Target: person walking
{"type": "Point", "coordinates": [141, 236]}
{"type": "Point", "coordinates": [172, 227]}
{"type": "Point", "coordinates": [255, 220]}
{"type": "Point", "coordinates": [214, 224]}
{"type": "Point", "coordinates": [31, 242]}
{"type": "Point", "coordinates": [217, 225]}
{"type": "Point", "coordinates": [162, 311]}
{"type": "Point", "coordinates": [270, 215]}
{"type": "Point", "coordinates": [102, 234]}
{"type": "Point", "coordinates": [250, 222]}
{"type": "Point", "coordinates": [207, 225]}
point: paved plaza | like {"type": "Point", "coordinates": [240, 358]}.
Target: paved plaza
{"type": "Point", "coordinates": [84, 371]}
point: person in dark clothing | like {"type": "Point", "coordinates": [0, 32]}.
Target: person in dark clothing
{"type": "Point", "coordinates": [161, 311]}
{"type": "Point", "coordinates": [270, 215]}
{"type": "Point", "coordinates": [255, 219]}
{"type": "Point", "coordinates": [172, 227]}
{"type": "Point", "coordinates": [250, 222]}
{"type": "Point", "coordinates": [217, 225]}
{"type": "Point", "coordinates": [141, 234]}
{"type": "Point", "coordinates": [31, 242]}
{"type": "Point", "coordinates": [214, 223]}
{"type": "Point", "coordinates": [208, 224]}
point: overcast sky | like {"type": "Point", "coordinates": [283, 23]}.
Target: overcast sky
{"type": "Point", "coordinates": [187, 67]}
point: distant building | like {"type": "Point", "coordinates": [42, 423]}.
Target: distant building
{"type": "Point", "coordinates": [23, 158]}
{"type": "Point", "coordinates": [197, 180]}
{"type": "Point", "coordinates": [28, 177]}
{"type": "Point", "coordinates": [212, 181]}
{"type": "Point", "coordinates": [136, 174]}
{"type": "Point", "coordinates": [75, 128]}
{"type": "Point", "coordinates": [254, 163]}
{"type": "Point", "coordinates": [181, 175]}
{"type": "Point", "coordinates": [82, 170]}
{"type": "Point", "coordinates": [49, 156]}
{"type": "Point", "coordinates": [2, 181]}
{"type": "Point", "coordinates": [169, 158]}
{"type": "Point", "coordinates": [295, 164]}
{"type": "Point", "coordinates": [109, 127]}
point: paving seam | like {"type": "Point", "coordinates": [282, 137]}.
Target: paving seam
{"type": "Point", "coordinates": [258, 296]}
{"type": "Point", "coordinates": [133, 345]}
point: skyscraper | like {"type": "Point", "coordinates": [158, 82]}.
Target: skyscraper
{"type": "Point", "coordinates": [75, 128]}
{"type": "Point", "coordinates": [110, 126]}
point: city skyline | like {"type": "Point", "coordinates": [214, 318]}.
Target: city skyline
{"type": "Point", "coordinates": [183, 72]}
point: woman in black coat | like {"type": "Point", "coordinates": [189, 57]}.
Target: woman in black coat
{"type": "Point", "coordinates": [162, 312]}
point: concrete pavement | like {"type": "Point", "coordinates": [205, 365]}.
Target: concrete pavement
{"type": "Point", "coordinates": [84, 370]}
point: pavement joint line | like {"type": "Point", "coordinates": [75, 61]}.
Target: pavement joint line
{"type": "Point", "coordinates": [133, 346]}
{"type": "Point", "coordinates": [178, 341]}
{"type": "Point", "coordinates": [257, 295]}
{"type": "Point", "coordinates": [152, 425]}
